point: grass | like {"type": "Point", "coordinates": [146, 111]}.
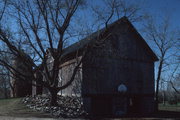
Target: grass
{"type": "Point", "coordinates": [168, 107]}
{"type": "Point", "coordinates": [4, 102]}
{"type": "Point", "coordinates": [14, 107]}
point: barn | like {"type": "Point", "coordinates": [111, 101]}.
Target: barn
{"type": "Point", "coordinates": [116, 76]}
{"type": "Point", "coordinates": [21, 86]}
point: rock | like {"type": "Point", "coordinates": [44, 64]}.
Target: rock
{"type": "Point", "coordinates": [68, 106]}
{"type": "Point", "coordinates": [38, 108]}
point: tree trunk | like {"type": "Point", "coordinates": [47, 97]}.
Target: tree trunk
{"type": "Point", "coordinates": [53, 101]}
{"type": "Point", "coordinates": [5, 90]}
{"type": "Point", "coordinates": [13, 92]}
{"type": "Point", "coordinates": [157, 84]}
{"type": "Point", "coordinates": [5, 93]}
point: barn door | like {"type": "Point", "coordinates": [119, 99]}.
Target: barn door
{"type": "Point", "coordinates": [102, 106]}
{"type": "Point", "coordinates": [135, 104]}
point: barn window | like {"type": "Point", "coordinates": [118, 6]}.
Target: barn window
{"type": "Point", "coordinates": [122, 88]}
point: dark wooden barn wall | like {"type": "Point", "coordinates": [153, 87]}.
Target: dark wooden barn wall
{"type": "Point", "coordinates": [123, 59]}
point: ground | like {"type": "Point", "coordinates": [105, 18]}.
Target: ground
{"type": "Point", "coordinates": [168, 107]}
{"type": "Point", "coordinates": [13, 109]}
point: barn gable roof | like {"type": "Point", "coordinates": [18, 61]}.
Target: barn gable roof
{"type": "Point", "coordinates": [80, 44]}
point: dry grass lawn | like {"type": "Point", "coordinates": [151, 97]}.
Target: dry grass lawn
{"type": "Point", "coordinates": [168, 107]}
{"type": "Point", "coordinates": [14, 107]}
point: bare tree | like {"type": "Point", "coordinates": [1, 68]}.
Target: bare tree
{"type": "Point", "coordinates": [4, 83]}
{"type": "Point", "coordinates": [47, 25]}
{"type": "Point", "coordinates": [44, 25]}
{"type": "Point", "coordinates": [174, 79]}
{"type": "Point", "coordinates": [164, 41]}
{"type": "Point", "coordinates": [115, 9]}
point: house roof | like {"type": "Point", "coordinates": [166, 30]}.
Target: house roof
{"type": "Point", "coordinates": [80, 44]}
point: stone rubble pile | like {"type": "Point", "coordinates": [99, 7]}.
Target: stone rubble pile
{"type": "Point", "coordinates": [70, 107]}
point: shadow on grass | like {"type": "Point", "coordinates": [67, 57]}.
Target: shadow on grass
{"type": "Point", "coordinates": [160, 115]}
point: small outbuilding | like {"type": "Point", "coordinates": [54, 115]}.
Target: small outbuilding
{"type": "Point", "coordinates": [20, 76]}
